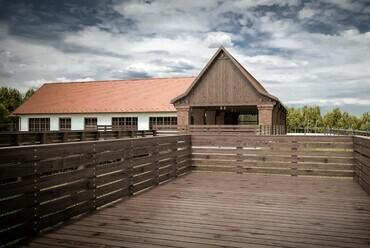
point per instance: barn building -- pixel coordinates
(224, 93)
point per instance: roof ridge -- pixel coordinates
(117, 80)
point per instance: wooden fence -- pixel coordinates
(225, 129)
(106, 128)
(43, 185)
(330, 156)
(328, 131)
(361, 147)
(48, 137)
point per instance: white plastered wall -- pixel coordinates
(78, 120)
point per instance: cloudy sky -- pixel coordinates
(304, 52)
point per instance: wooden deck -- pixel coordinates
(227, 210)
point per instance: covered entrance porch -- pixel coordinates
(224, 115)
(226, 94)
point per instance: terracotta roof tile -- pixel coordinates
(137, 95)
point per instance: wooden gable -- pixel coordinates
(224, 82)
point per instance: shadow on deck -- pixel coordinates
(227, 210)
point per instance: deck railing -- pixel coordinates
(48, 137)
(105, 128)
(361, 150)
(328, 131)
(43, 185)
(287, 155)
(227, 129)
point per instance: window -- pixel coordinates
(91, 123)
(38, 124)
(65, 124)
(124, 123)
(162, 122)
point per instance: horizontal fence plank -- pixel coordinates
(264, 150)
(273, 158)
(291, 155)
(307, 166)
(50, 137)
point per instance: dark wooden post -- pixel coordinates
(177, 158)
(93, 185)
(239, 160)
(43, 138)
(131, 169)
(157, 161)
(294, 158)
(18, 139)
(36, 225)
(64, 137)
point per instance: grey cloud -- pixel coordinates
(137, 74)
(322, 55)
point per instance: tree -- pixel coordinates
(365, 122)
(312, 116)
(331, 118)
(28, 94)
(10, 100)
(294, 118)
(4, 118)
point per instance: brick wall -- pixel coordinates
(265, 114)
(183, 116)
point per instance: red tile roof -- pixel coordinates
(137, 95)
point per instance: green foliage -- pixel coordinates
(365, 122)
(294, 118)
(4, 115)
(28, 94)
(311, 117)
(10, 100)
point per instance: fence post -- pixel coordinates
(239, 154)
(94, 178)
(294, 158)
(36, 224)
(177, 158)
(43, 138)
(157, 162)
(131, 175)
(18, 139)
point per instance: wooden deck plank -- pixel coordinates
(227, 210)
